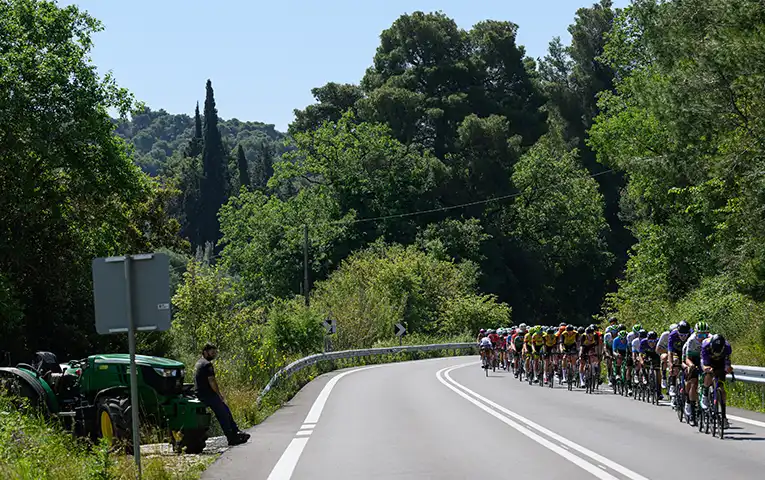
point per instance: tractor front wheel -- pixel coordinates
(113, 423)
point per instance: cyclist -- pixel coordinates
(536, 342)
(715, 360)
(621, 353)
(692, 365)
(568, 347)
(501, 347)
(486, 348)
(634, 333)
(588, 350)
(599, 349)
(650, 359)
(635, 349)
(517, 344)
(481, 334)
(661, 349)
(608, 340)
(550, 346)
(677, 339)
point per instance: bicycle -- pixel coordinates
(718, 416)
(681, 397)
(485, 360)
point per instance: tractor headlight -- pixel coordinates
(166, 372)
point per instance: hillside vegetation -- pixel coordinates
(459, 183)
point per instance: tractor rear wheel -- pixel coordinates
(113, 423)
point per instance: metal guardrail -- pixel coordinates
(304, 362)
(748, 374)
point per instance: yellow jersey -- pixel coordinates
(537, 340)
(550, 340)
(569, 338)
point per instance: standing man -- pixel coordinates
(209, 393)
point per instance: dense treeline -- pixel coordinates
(459, 183)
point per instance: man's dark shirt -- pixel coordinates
(203, 370)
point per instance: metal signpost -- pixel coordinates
(132, 293)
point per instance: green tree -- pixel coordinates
(214, 184)
(263, 239)
(68, 189)
(244, 173)
(572, 77)
(366, 171)
(685, 124)
(334, 99)
(196, 144)
(558, 222)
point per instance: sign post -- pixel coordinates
(132, 293)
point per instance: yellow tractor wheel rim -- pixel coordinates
(107, 430)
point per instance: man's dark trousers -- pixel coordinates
(223, 414)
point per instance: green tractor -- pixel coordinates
(92, 397)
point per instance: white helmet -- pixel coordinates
(523, 327)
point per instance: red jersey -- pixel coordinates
(494, 339)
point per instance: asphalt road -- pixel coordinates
(444, 419)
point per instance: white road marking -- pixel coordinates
(598, 458)
(746, 420)
(286, 464)
(537, 438)
(308, 425)
(289, 459)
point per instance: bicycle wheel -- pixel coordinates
(681, 406)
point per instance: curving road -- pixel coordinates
(444, 419)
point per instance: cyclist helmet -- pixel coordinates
(637, 327)
(622, 334)
(562, 324)
(593, 326)
(717, 344)
(490, 331)
(569, 328)
(612, 320)
(652, 335)
(580, 330)
(702, 327)
(552, 331)
(643, 333)
(589, 330)
(621, 327)
(683, 328)
(523, 327)
(483, 330)
(672, 327)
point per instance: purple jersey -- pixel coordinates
(708, 358)
(648, 346)
(676, 342)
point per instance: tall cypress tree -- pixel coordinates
(214, 164)
(265, 165)
(196, 143)
(244, 173)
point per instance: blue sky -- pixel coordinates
(264, 57)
